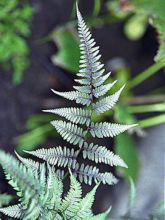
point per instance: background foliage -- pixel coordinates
(14, 28)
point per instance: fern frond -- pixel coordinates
(88, 173)
(75, 115)
(19, 177)
(101, 216)
(33, 165)
(72, 95)
(103, 89)
(107, 103)
(98, 81)
(86, 204)
(91, 68)
(54, 190)
(80, 98)
(105, 129)
(60, 173)
(70, 204)
(14, 211)
(59, 156)
(46, 201)
(84, 99)
(83, 89)
(70, 132)
(101, 154)
(83, 81)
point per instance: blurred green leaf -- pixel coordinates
(125, 148)
(124, 144)
(14, 27)
(159, 24)
(5, 199)
(155, 12)
(68, 49)
(39, 119)
(158, 107)
(135, 27)
(152, 121)
(97, 7)
(123, 116)
(114, 8)
(32, 139)
(39, 129)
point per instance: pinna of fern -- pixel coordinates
(40, 193)
(91, 93)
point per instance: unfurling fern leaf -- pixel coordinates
(90, 93)
(40, 193)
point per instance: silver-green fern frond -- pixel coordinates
(100, 154)
(75, 115)
(105, 129)
(14, 211)
(41, 193)
(88, 174)
(90, 93)
(107, 103)
(59, 156)
(70, 132)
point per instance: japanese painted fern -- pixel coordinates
(90, 93)
(39, 185)
(40, 193)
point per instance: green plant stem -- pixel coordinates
(160, 107)
(143, 99)
(145, 123)
(97, 7)
(146, 74)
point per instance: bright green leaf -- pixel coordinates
(68, 49)
(126, 149)
(135, 27)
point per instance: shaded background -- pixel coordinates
(18, 103)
